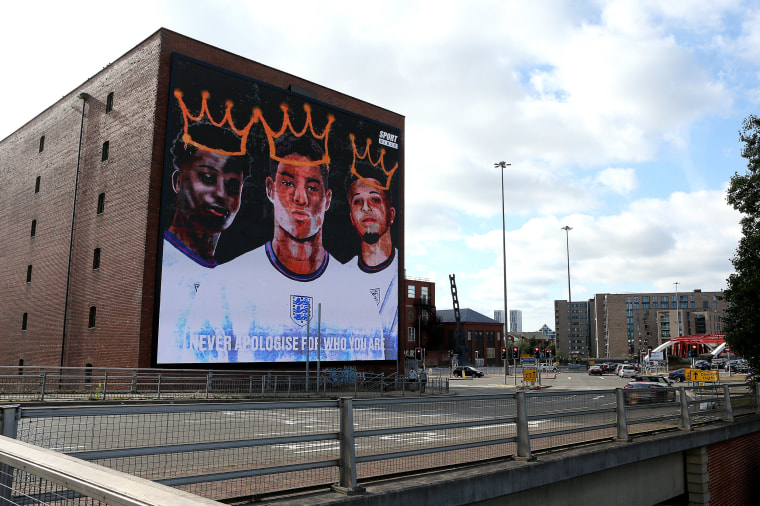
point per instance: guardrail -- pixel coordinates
(25, 384)
(255, 449)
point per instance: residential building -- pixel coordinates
(515, 320)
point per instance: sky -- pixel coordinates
(620, 119)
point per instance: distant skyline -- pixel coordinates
(620, 120)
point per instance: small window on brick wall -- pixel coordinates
(37, 185)
(101, 203)
(34, 228)
(104, 155)
(24, 321)
(42, 143)
(29, 274)
(109, 103)
(96, 259)
(91, 322)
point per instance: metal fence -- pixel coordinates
(255, 449)
(25, 384)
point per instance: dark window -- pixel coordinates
(91, 323)
(34, 228)
(24, 320)
(37, 185)
(96, 259)
(88, 374)
(109, 102)
(20, 366)
(104, 155)
(29, 274)
(101, 203)
(42, 143)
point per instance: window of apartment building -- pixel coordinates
(410, 315)
(664, 302)
(101, 203)
(109, 103)
(24, 321)
(411, 291)
(34, 228)
(42, 143)
(28, 274)
(469, 335)
(91, 321)
(104, 154)
(96, 259)
(410, 334)
(37, 184)
(424, 294)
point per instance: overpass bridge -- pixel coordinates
(694, 442)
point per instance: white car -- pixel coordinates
(627, 371)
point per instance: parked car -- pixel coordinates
(652, 388)
(595, 370)
(608, 367)
(548, 368)
(466, 370)
(742, 366)
(677, 375)
(703, 365)
(626, 371)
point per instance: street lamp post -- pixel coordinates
(502, 166)
(567, 230)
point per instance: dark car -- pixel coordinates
(703, 365)
(464, 371)
(677, 375)
(647, 391)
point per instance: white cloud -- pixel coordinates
(621, 181)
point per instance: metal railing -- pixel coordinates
(255, 449)
(26, 384)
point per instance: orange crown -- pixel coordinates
(379, 163)
(227, 118)
(288, 126)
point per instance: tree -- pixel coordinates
(742, 319)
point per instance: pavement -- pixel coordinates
(493, 382)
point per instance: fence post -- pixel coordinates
(8, 428)
(133, 387)
(250, 386)
(105, 384)
(208, 383)
(158, 388)
(523, 437)
(729, 409)
(622, 421)
(43, 378)
(685, 422)
(347, 469)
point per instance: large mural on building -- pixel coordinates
(280, 226)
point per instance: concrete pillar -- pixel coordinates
(697, 477)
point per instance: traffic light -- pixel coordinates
(418, 353)
(537, 352)
(548, 353)
(503, 353)
(451, 353)
(515, 352)
(693, 350)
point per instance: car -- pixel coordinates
(627, 371)
(608, 367)
(652, 388)
(703, 365)
(466, 370)
(548, 368)
(742, 366)
(595, 370)
(677, 375)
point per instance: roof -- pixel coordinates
(467, 315)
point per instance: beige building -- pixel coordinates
(623, 325)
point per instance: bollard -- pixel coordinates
(523, 437)
(622, 422)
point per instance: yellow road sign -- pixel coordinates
(530, 374)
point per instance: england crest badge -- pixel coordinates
(300, 309)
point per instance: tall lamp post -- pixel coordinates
(502, 166)
(567, 230)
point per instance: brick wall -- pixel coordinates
(122, 289)
(733, 467)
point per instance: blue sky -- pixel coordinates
(620, 120)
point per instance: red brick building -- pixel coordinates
(82, 185)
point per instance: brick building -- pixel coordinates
(82, 189)
(482, 335)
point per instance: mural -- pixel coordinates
(280, 223)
